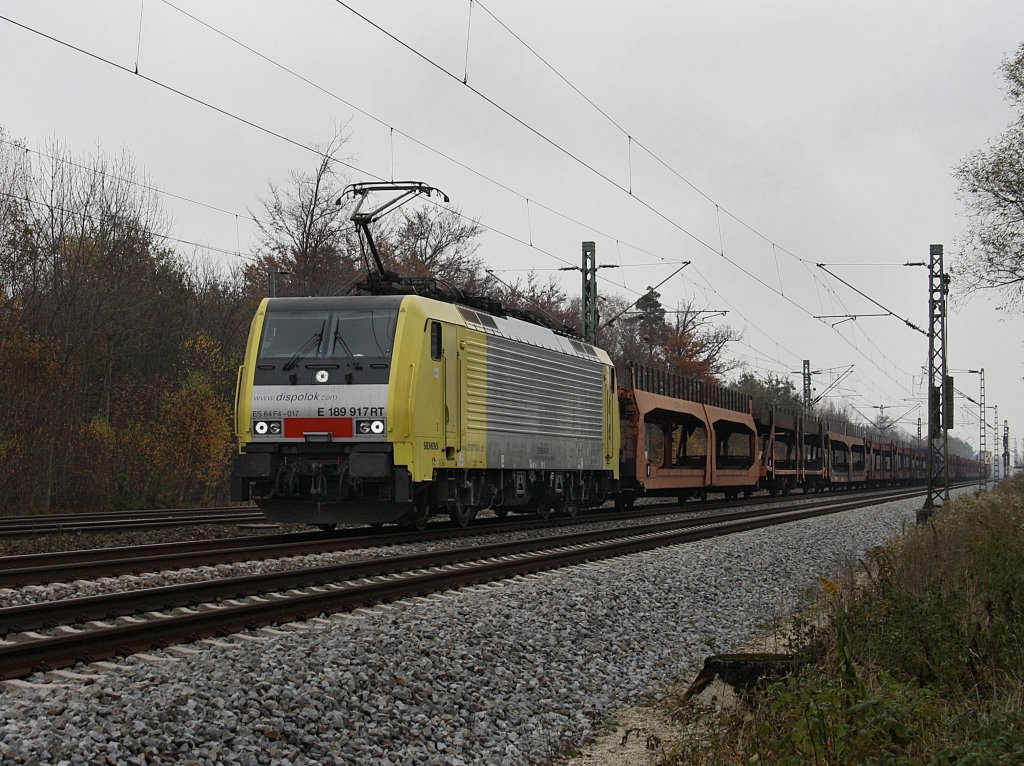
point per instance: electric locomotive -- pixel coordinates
(385, 408)
(392, 405)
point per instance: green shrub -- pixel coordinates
(997, 740)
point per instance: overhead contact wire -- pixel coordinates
(667, 166)
(627, 133)
(262, 129)
(409, 137)
(300, 145)
(130, 181)
(150, 232)
(515, 118)
(631, 139)
(521, 122)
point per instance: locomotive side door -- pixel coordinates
(452, 390)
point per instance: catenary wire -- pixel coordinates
(419, 54)
(139, 184)
(720, 210)
(383, 123)
(150, 232)
(353, 167)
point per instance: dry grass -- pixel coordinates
(920, 662)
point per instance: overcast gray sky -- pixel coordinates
(785, 134)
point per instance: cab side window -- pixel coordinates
(435, 341)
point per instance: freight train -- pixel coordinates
(407, 401)
(398, 407)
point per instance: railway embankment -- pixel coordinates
(913, 656)
(517, 671)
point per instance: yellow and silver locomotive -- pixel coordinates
(391, 408)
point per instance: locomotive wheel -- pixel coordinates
(417, 516)
(461, 514)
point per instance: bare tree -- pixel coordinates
(305, 238)
(695, 348)
(544, 299)
(435, 242)
(991, 256)
(685, 344)
(111, 344)
(771, 389)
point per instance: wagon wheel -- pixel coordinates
(572, 509)
(501, 511)
(543, 509)
(327, 527)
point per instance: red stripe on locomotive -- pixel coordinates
(296, 428)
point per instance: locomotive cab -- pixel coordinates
(312, 421)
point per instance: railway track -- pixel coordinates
(157, 617)
(23, 526)
(37, 569)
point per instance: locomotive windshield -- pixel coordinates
(348, 335)
(285, 335)
(365, 332)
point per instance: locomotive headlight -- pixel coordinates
(264, 427)
(368, 427)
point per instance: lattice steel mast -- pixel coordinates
(939, 406)
(590, 313)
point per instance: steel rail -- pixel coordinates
(27, 518)
(128, 523)
(35, 569)
(460, 568)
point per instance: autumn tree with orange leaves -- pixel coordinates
(680, 342)
(118, 351)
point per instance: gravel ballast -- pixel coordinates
(33, 594)
(516, 672)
